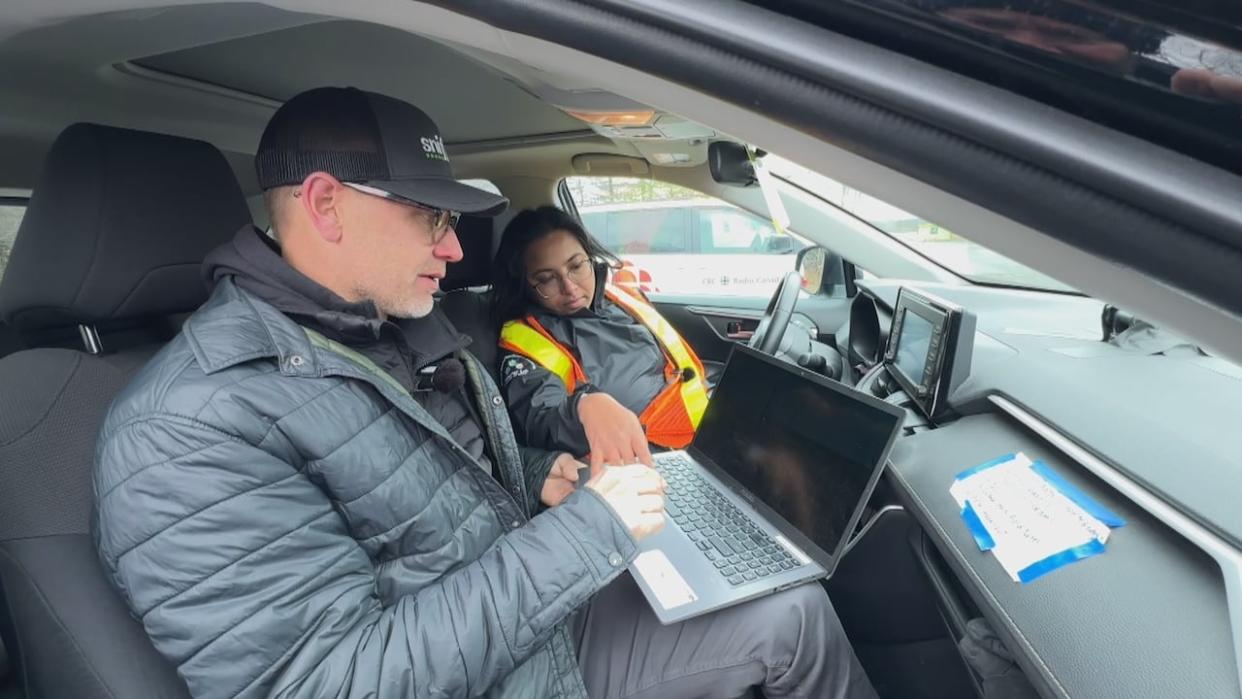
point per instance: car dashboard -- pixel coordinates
(1151, 436)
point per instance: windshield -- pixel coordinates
(963, 257)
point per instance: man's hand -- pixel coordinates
(612, 431)
(561, 480)
(636, 494)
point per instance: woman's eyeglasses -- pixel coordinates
(548, 283)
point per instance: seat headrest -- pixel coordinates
(477, 236)
(117, 228)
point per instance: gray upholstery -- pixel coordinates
(466, 303)
(478, 241)
(471, 315)
(37, 426)
(117, 227)
(10, 342)
(114, 236)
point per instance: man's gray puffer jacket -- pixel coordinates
(286, 520)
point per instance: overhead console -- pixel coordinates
(929, 349)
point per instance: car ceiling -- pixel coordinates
(218, 72)
(470, 101)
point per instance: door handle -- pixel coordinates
(734, 331)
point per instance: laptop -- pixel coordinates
(767, 495)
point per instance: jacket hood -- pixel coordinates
(254, 262)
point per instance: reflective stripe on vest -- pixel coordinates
(529, 339)
(679, 354)
(674, 414)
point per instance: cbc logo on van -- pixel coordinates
(745, 275)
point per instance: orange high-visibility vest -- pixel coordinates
(674, 414)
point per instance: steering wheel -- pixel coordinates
(771, 329)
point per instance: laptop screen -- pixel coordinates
(800, 443)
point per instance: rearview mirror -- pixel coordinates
(730, 164)
(812, 263)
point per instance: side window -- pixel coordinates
(11, 212)
(597, 223)
(647, 230)
(729, 231)
(685, 241)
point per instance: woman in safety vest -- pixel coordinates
(587, 365)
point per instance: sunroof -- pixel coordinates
(461, 94)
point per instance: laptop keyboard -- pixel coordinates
(740, 551)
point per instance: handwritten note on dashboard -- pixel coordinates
(1032, 520)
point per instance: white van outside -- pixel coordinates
(697, 246)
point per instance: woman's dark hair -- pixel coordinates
(510, 290)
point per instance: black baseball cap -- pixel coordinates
(369, 139)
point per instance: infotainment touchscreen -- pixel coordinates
(916, 334)
(929, 348)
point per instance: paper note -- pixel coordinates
(671, 590)
(1029, 525)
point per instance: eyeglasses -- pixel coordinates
(549, 283)
(441, 219)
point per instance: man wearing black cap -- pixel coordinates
(314, 491)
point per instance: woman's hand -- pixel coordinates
(561, 479)
(614, 433)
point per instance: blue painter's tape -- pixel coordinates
(984, 466)
(1059, 560)
(977, 530)
(1089, 505)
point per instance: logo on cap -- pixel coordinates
(434, 148)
